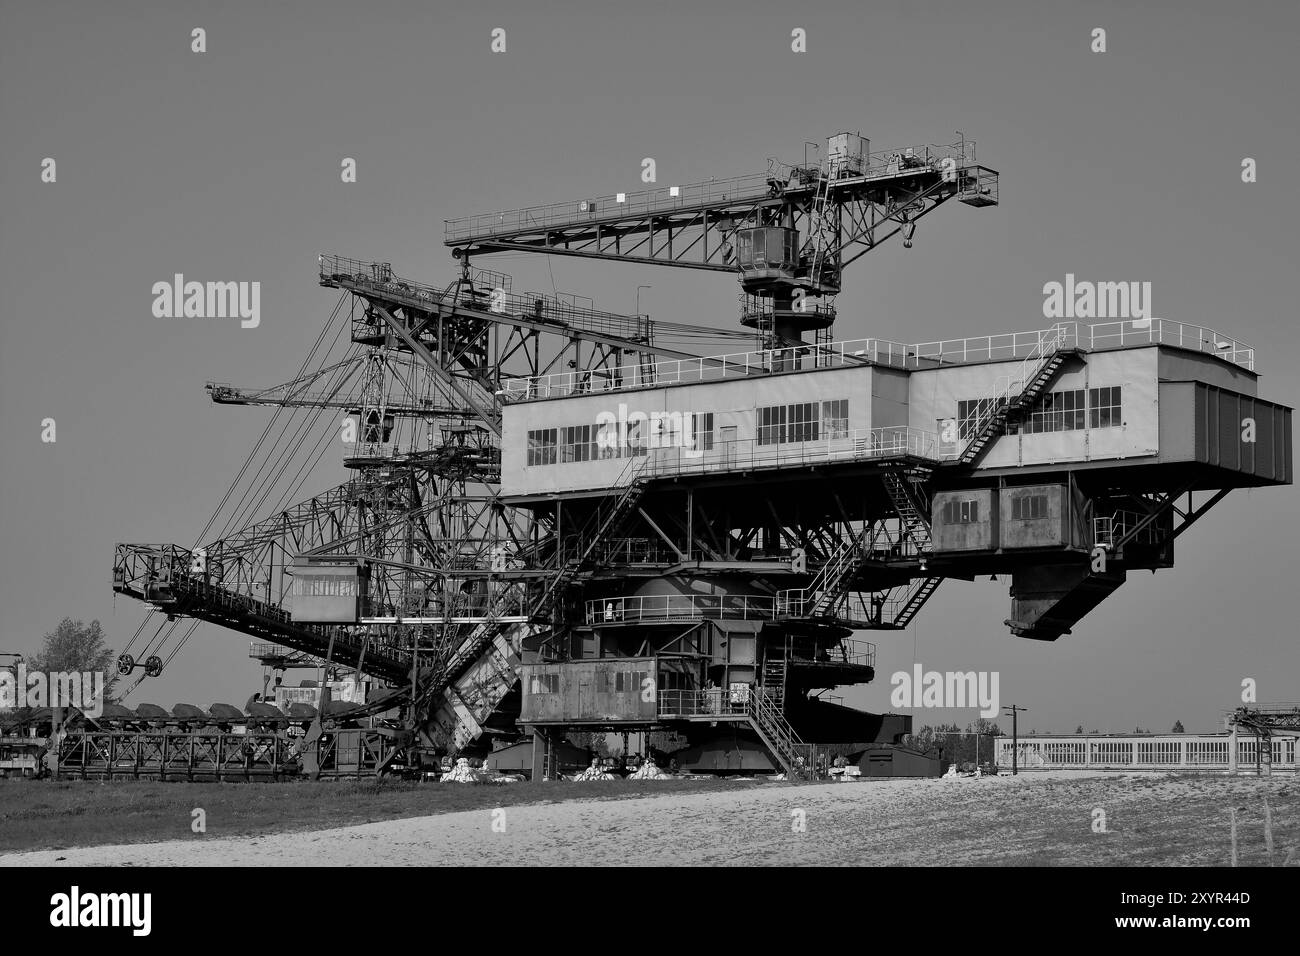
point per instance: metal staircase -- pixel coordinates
(828, 588)
(1013, 394)
(635, 478)
(768, 721)
(775, 672)
(920, 593)
(908, 500)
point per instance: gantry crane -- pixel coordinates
(788, 234)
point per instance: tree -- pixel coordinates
(77, 647)
(595, 741)
(1079, 729)
(1178, 728)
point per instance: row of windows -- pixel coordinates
(1024, 508)
(804, 421)
(334, 585)
(1055, 412)
(961, 512)
(607, 682)
(549, 446)
(1029, 507)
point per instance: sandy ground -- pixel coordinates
(1036, 819)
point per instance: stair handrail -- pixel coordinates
(832, 569)
(629, 478)
(1049, 342)
(771, 722)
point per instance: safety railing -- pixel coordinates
(565, 309)
(703, 702)
(631, 551)
(1197, 338)
(878, 164)
(652, 608)
(612, 206)
(820, 595)
(873, 351)
(1008, 387)
(502, 603)
(261, 649)
(1108, 530)
(894, 441)
(852, 652)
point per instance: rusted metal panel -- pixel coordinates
(619, 690)
(1034, 516)
(965, 520)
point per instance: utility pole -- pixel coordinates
(1013, 710)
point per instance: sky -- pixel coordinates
(225, 166)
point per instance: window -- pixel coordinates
(771, 425)
(333, 585)
(607, 441)
(1105, 406)
(1056, 412)
(961, 512)
(973, 415)
(1029, 507)
(576, 443)
(545, 684)
(702, 431)
(638, 433)
(835, 418)
(806, 421)
(541, 446)
(803, 422)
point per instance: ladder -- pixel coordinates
(818, 223)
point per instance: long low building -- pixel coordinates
(1201, 753)
(1150, 392)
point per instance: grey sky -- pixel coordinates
(225, 166)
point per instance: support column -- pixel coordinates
(541, 748)
(1232, 749)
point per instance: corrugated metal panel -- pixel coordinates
(1225, 439)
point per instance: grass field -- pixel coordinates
(1036, 819)
(44, 814)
